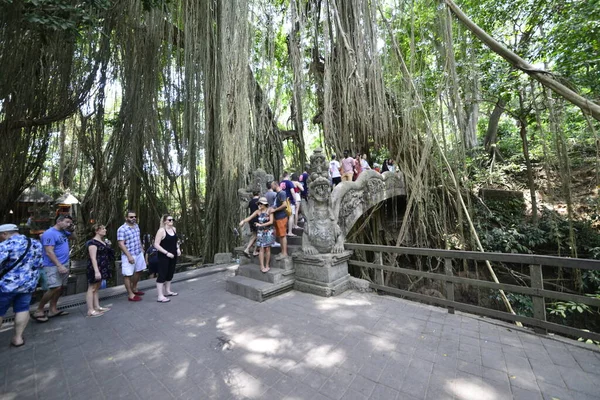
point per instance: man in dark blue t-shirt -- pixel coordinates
(281, 218)
(288, 186)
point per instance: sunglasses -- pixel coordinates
(134, 217)
(170, 219)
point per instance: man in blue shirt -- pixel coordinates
(56, 266)
(20, 262)
(281, 218)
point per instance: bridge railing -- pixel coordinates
(536, 290)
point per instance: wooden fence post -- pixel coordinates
(449, 285)
(379, 274)
(539, 304)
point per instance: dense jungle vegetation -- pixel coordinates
(165, 105)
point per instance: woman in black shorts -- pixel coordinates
(166, 243)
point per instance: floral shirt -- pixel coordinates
(23, 277)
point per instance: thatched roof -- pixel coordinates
(66, 198)
(32, 195)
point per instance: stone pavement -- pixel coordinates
(209, 344)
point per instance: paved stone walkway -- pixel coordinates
(209, 344)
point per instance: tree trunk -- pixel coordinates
(530, 180)
(491, 134)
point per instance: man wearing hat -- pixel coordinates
(20, 262)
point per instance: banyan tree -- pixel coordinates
(167, 106)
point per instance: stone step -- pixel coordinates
(298, 231)
(275, 275)
(294, 240)
(238, 252)
(257, 290)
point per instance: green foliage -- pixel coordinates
(522, 304)
(565, 308)
(60, 15)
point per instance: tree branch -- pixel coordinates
(544, 77)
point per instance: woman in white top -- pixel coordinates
(364, 164)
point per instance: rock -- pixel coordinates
(223, 258)
(360, 285)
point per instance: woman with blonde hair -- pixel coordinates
(99, 268)
(165, 242)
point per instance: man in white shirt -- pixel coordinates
(334, 171)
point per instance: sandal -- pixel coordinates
(58, 314)
(17, 345)
(102, 309)
(39, 318)
(95, 314)
(247, 253)
(165, 300)
(172, 294)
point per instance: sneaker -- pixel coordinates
(276, 245)
(135, 298)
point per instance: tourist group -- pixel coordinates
(25, 261)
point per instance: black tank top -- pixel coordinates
(169, 243)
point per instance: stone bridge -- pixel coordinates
(350, 200)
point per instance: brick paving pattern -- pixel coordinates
(209, 344)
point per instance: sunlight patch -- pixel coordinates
(324, 356)
(263, 345)
(466, 390)
(332, 304)
(182, 370)
(224, 322)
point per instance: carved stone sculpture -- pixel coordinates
(321, 232)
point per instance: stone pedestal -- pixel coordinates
(322, 274)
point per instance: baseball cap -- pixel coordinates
(8, 228)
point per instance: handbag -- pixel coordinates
(288, 207)
(6, 271)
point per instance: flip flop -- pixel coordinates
(103, 309)
(40, 318)
(266, 270)
(164, 301)
(17, 345)
(58, 314)
(172, 294)
(95, 314)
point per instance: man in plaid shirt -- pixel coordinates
(132, 255)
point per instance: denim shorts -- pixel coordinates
(20, 302)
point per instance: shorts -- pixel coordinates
(54, 278)
(20, 302)
(336, 180)
(294, 209)
(281, 227)
(129, 269)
